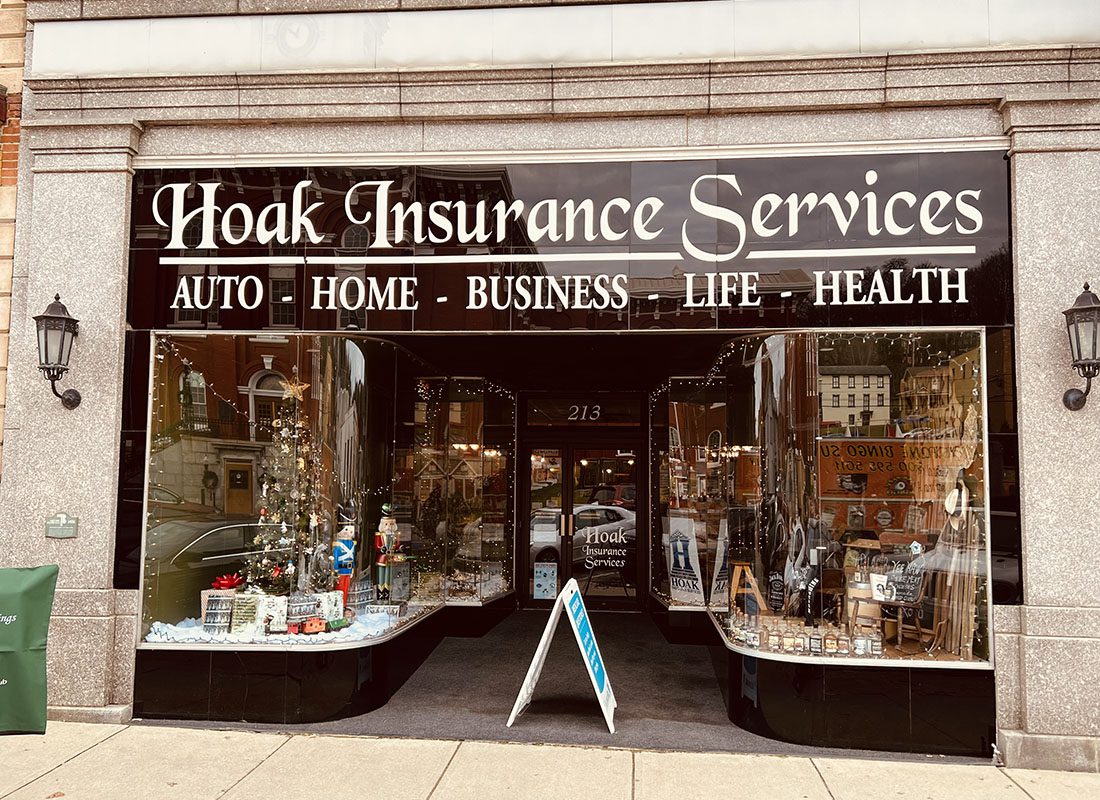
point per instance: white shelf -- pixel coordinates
(847, 661)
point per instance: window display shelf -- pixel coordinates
(292, 642)
(669, 607)
(475, 602)
(845, 661)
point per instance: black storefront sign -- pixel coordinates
(815, 241)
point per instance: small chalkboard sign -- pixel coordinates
(904, 586)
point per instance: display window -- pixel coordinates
(814, 534)
(310, 490)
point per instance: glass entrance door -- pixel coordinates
(582, 522)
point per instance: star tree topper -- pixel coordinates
(293, 388)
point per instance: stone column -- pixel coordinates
(72, 239)
(1048, 650)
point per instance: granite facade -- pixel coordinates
(1055, 249)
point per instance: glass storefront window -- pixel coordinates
(693, 501)
(306, 490)
(856, 536)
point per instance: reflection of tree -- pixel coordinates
(430, 513)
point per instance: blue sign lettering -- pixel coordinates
(588, 640)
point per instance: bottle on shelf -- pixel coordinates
(829, 642)
(816, 646)
(876, 644)
(790, 640)
(803, 637)
(762, 637)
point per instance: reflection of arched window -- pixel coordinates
(714, 441)
(355, 238)
(265, 393)
(673, 438)
(192, 234)
(193, 400)
(354, 314)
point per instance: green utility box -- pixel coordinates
(26, 597)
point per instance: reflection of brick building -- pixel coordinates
(847, 391)
(216, 397)
(937, 397)
(696, 439)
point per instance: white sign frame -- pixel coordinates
(571, 600)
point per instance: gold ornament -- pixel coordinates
(293, 388)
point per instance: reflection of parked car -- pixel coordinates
(590, 522)
(606, 494)
(183, 558)
(166, 504)
(481, 541)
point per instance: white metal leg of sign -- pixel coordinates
(571, 600)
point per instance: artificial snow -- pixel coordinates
(365, 627)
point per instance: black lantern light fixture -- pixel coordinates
(1083, 325)
(56, 331)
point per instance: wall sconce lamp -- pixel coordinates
(56, 331)
(1083, 326)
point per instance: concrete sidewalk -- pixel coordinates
(79, 761)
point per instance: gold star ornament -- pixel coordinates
(293, 388)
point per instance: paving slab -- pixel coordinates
(858, 779)
(659, 776)
(490, 771)
(157, 764)
(1047, 785)
(24, 758)
(394, 769)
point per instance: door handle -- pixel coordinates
(569, 528)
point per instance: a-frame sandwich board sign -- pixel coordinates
(572, 602)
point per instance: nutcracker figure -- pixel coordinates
(386, 543)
